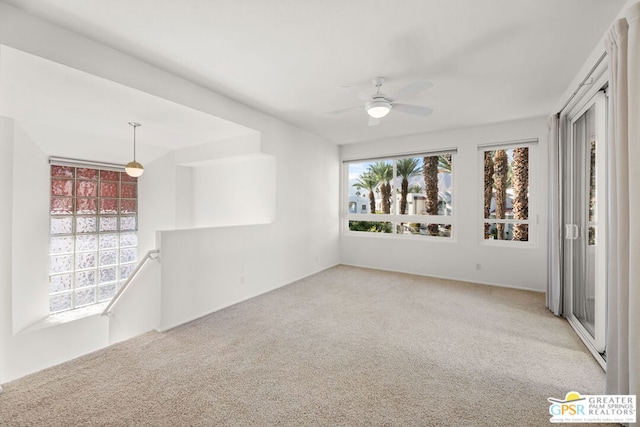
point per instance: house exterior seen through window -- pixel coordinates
(93, 234)
(406, 196)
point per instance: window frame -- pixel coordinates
(394, 217)
(532, 221)
(74, 215)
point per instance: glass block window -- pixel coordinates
(93, 235)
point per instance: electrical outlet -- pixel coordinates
(478, 266)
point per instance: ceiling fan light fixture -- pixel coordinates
(134, 169)
(378, 108)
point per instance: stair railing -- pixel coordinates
(153, 254)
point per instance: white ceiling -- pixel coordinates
(36, 91)
(490, 60)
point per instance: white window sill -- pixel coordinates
(508, 244)
(406, 237)
(66, 317)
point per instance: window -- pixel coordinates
(506, 209)
(408, 196)
(93, 234)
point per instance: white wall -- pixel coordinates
(300, 240)
(519, 267)
(223, 187)
(206, 269)
(30, 238)
(235, 191)
(138, 311)
(224, 266)
(6, 215)
(159, 198)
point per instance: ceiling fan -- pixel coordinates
(379, 105)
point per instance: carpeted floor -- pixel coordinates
(345, 347)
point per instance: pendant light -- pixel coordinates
(134, 169)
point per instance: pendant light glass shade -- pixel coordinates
(378, 108)
(134, 169)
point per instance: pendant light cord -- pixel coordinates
(135, 125)
(134, 142)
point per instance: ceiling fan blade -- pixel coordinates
(355, 92)
(413, 109)
(412, 89)
(346, 110)
(373, 121)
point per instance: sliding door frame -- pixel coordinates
(596, 94)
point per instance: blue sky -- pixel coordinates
(357, 169)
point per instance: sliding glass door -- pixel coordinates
(584, 186)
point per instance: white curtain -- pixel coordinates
(554, 241)
(623, 322)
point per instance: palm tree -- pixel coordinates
(501, 170)
(592, 192)
(383, 172)
(407, 169)
(368, 182)
(430, 174)
(520, 181)
(416, 188)
(488, 190)
(444, 167)
(444, 163)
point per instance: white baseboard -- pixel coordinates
(476, 282)
(198, 316)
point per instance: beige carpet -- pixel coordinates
(345, 347)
